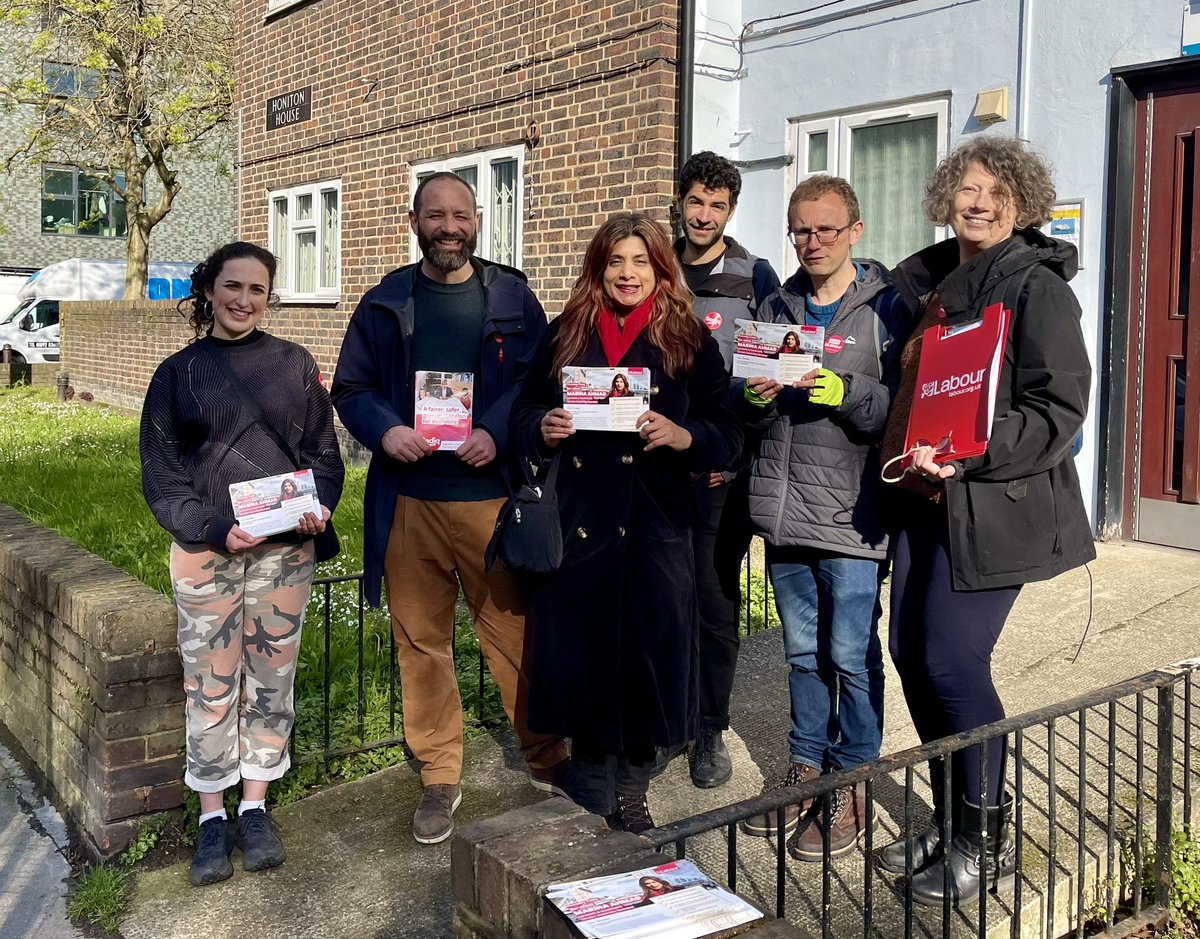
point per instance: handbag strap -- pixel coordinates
(249, 403)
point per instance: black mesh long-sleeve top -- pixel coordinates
(197, 437)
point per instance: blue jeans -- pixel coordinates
(829, 607)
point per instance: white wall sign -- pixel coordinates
(1190, 43)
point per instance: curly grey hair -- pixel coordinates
(1022, 174)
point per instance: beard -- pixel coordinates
(446, 261)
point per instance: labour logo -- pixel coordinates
(713, 320)
(833, 345)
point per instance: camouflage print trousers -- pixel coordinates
(239, 634)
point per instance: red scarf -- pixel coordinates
(615, 339)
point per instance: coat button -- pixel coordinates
(581, 532)
(620, 531)
(576, 462)
(654, 389)
(626, 458)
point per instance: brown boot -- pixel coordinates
(764, 825)
(844, 812)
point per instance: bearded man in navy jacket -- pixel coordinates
(429, 513)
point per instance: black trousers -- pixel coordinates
(720, 540)
(941, 641)
(599, 776)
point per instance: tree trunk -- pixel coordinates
(137, 257)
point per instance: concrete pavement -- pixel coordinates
(354, 871)
(33, 868)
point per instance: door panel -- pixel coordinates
(1168, 454)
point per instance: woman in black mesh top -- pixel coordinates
(236, 404)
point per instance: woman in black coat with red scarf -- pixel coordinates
(614, 630)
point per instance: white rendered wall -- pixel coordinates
(930, 48)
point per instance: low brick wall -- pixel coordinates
(500, 868)
(38, 376)
(90, 682)
(112, 348)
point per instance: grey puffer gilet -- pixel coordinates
(815, 479)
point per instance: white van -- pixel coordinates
(31, 330)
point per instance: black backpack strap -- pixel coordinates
(249, 403)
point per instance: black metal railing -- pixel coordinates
(348, 655)
(1081, 783)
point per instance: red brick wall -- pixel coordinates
(399, 84)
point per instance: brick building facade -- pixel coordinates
(344, 102)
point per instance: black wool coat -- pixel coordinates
(613, 633)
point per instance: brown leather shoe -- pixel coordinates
(845, 813)
(764, 825)
(433, 820)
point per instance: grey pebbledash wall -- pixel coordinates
(90, 682)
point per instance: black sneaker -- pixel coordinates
(259, 840)
(634, 812)
(709, 760)
(214, 844)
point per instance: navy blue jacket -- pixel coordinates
(373, 384)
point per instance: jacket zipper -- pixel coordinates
(787, 448)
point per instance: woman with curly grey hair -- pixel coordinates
(971, 531)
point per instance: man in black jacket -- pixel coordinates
(729, 283)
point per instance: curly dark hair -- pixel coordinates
(711, 172)
(1023, 175)
(204, 278)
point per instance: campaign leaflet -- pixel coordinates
(606, 398)
(672, 901)
(274, 504)
(782, 351)
(442, 408)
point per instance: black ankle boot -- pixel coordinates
(926, 849)
(967, 851)
(927, 842)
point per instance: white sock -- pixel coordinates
(219, 813)
(244, 806)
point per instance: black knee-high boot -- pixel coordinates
(971, 843)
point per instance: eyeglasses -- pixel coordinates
(825, 236)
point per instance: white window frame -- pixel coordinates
(286, 276)
(482, 163)
(839, 128)
(274, 6)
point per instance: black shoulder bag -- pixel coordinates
(528, 535)
(325, 544)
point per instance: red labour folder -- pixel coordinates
(957, 377)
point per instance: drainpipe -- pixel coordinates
(687, 69)
(1024, 34)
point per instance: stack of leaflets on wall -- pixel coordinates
(606, 398)
(442, 408)
(671, 901)
(785, 352)
(274, 504)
